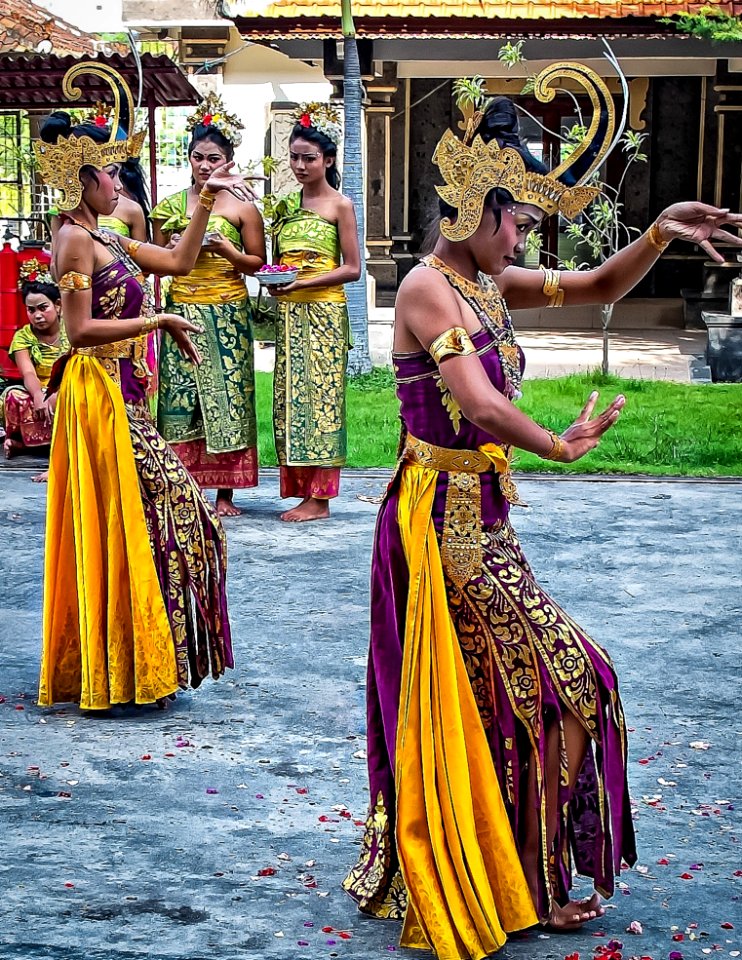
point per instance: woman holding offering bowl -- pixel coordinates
(314, 232)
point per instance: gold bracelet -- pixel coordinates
(655, 238)
(557, 447)
(551, 288)
(207, 200)
(150, 323)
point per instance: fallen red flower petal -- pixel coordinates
(267, 872)
(686, 876)
(727, 926)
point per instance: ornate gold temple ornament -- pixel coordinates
(471, 168)
(60, 163)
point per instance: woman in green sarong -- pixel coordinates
(315, 231)
(207, 412)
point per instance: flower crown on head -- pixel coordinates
(31, 271)
(321, 116)
(211, 112)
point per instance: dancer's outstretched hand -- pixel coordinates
(700, 223)
(223, 179)
(179, 328)
(585, 433)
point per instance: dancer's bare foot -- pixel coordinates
(225, 505)
(11, 447)
(309, 509)
(575, 914)
(42, 477)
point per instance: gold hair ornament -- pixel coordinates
(471, 167)
(212, 114)
(60, 163)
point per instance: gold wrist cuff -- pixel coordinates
(557, 448)
(655, 238)
(551, 287)
(150, 323)
(207, 200)
(133, 246)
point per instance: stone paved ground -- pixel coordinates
(142, 834)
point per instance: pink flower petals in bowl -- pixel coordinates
(276, 275)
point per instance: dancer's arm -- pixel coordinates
(180, 259)
(696, 223)
(22, 360)
(427, 307)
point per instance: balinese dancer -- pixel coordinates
(208, 412)
(135, 600)
(496, 736)
(27, 411)
(314, 230)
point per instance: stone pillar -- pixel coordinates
(379, 111)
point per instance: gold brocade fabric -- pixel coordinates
(114, 644)
(457, 853)
(134, 350)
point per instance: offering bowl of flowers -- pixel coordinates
(276, 274)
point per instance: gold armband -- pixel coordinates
(207, 200)
(455, 342)
(150, 323)
(655, 238)
(133, 246)
(75, 281)
(551, 288)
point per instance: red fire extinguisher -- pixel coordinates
(9, 298)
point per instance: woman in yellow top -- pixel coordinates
(315, 230)
(27, 411)
(207, 412)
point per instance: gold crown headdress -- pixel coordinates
(32, 271)
(321, 116)
(471, 167)
(211, 112)
(60, 163)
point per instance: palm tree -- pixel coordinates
(359, 360)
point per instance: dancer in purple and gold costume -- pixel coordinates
(135, 569)
(496, 737)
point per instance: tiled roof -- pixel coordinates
(24, 25)
(474, 9)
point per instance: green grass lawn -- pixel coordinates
(666, 428)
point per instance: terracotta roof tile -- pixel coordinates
(24, 25)
(497, 9)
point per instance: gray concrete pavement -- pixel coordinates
(217, 829)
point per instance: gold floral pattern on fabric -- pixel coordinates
(523, 627)
(112, 300)
(461, 549)
(454, 342)
(370, 882)
(450, 403)
(214, 400)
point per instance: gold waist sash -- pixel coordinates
(134, 350)
(461, 544)
(212, 280)
(311, 264)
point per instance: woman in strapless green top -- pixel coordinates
(207, 412)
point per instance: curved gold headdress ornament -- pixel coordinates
(60, 163)
(471, 167)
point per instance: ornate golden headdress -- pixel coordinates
(60, 163)
(32, 271)
(471, 167)
(323, 117)
(211, 112)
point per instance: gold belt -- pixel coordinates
(133, 349)
(461, 543)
